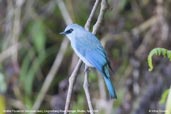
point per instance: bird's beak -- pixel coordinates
(63, 33)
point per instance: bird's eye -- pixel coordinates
(69, 31)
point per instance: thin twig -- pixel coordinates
(64, 11)
(17, 25)
(144, 26)
(8, 24)
(86, 89)
(162, 20)
(72, 79)
(103, 8)
(87, 25)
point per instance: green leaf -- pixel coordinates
(37, 31)
(157, 51)
(30, 66)
(2, 104)
(168, 103)
(25, 65)
(34, 68)
(164, 96)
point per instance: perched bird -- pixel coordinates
(89, 49)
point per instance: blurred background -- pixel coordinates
(30, 43)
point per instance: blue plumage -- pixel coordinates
(91, 52)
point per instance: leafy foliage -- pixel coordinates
(2, 104)
(37, 31)
(164, 96)
(165, 53)
(168, 103)
(158, 51)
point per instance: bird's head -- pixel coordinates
(72, 30)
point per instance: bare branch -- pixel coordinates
(86, 89)
(103, 8)
(71, 84)
(64, 12)
(144, 26)
(87, 25)
(16, 25)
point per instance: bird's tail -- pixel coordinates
(110, 87)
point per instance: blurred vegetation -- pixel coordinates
(158, 51)
(30, 41)
(165, 53)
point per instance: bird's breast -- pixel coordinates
(80, 47)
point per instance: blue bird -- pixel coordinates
(89, 49)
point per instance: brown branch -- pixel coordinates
(103, 8)
(87, 25)
(16, 26)
(86, 89)
(71, 85)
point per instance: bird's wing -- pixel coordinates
(90, 47)
(96, 57)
